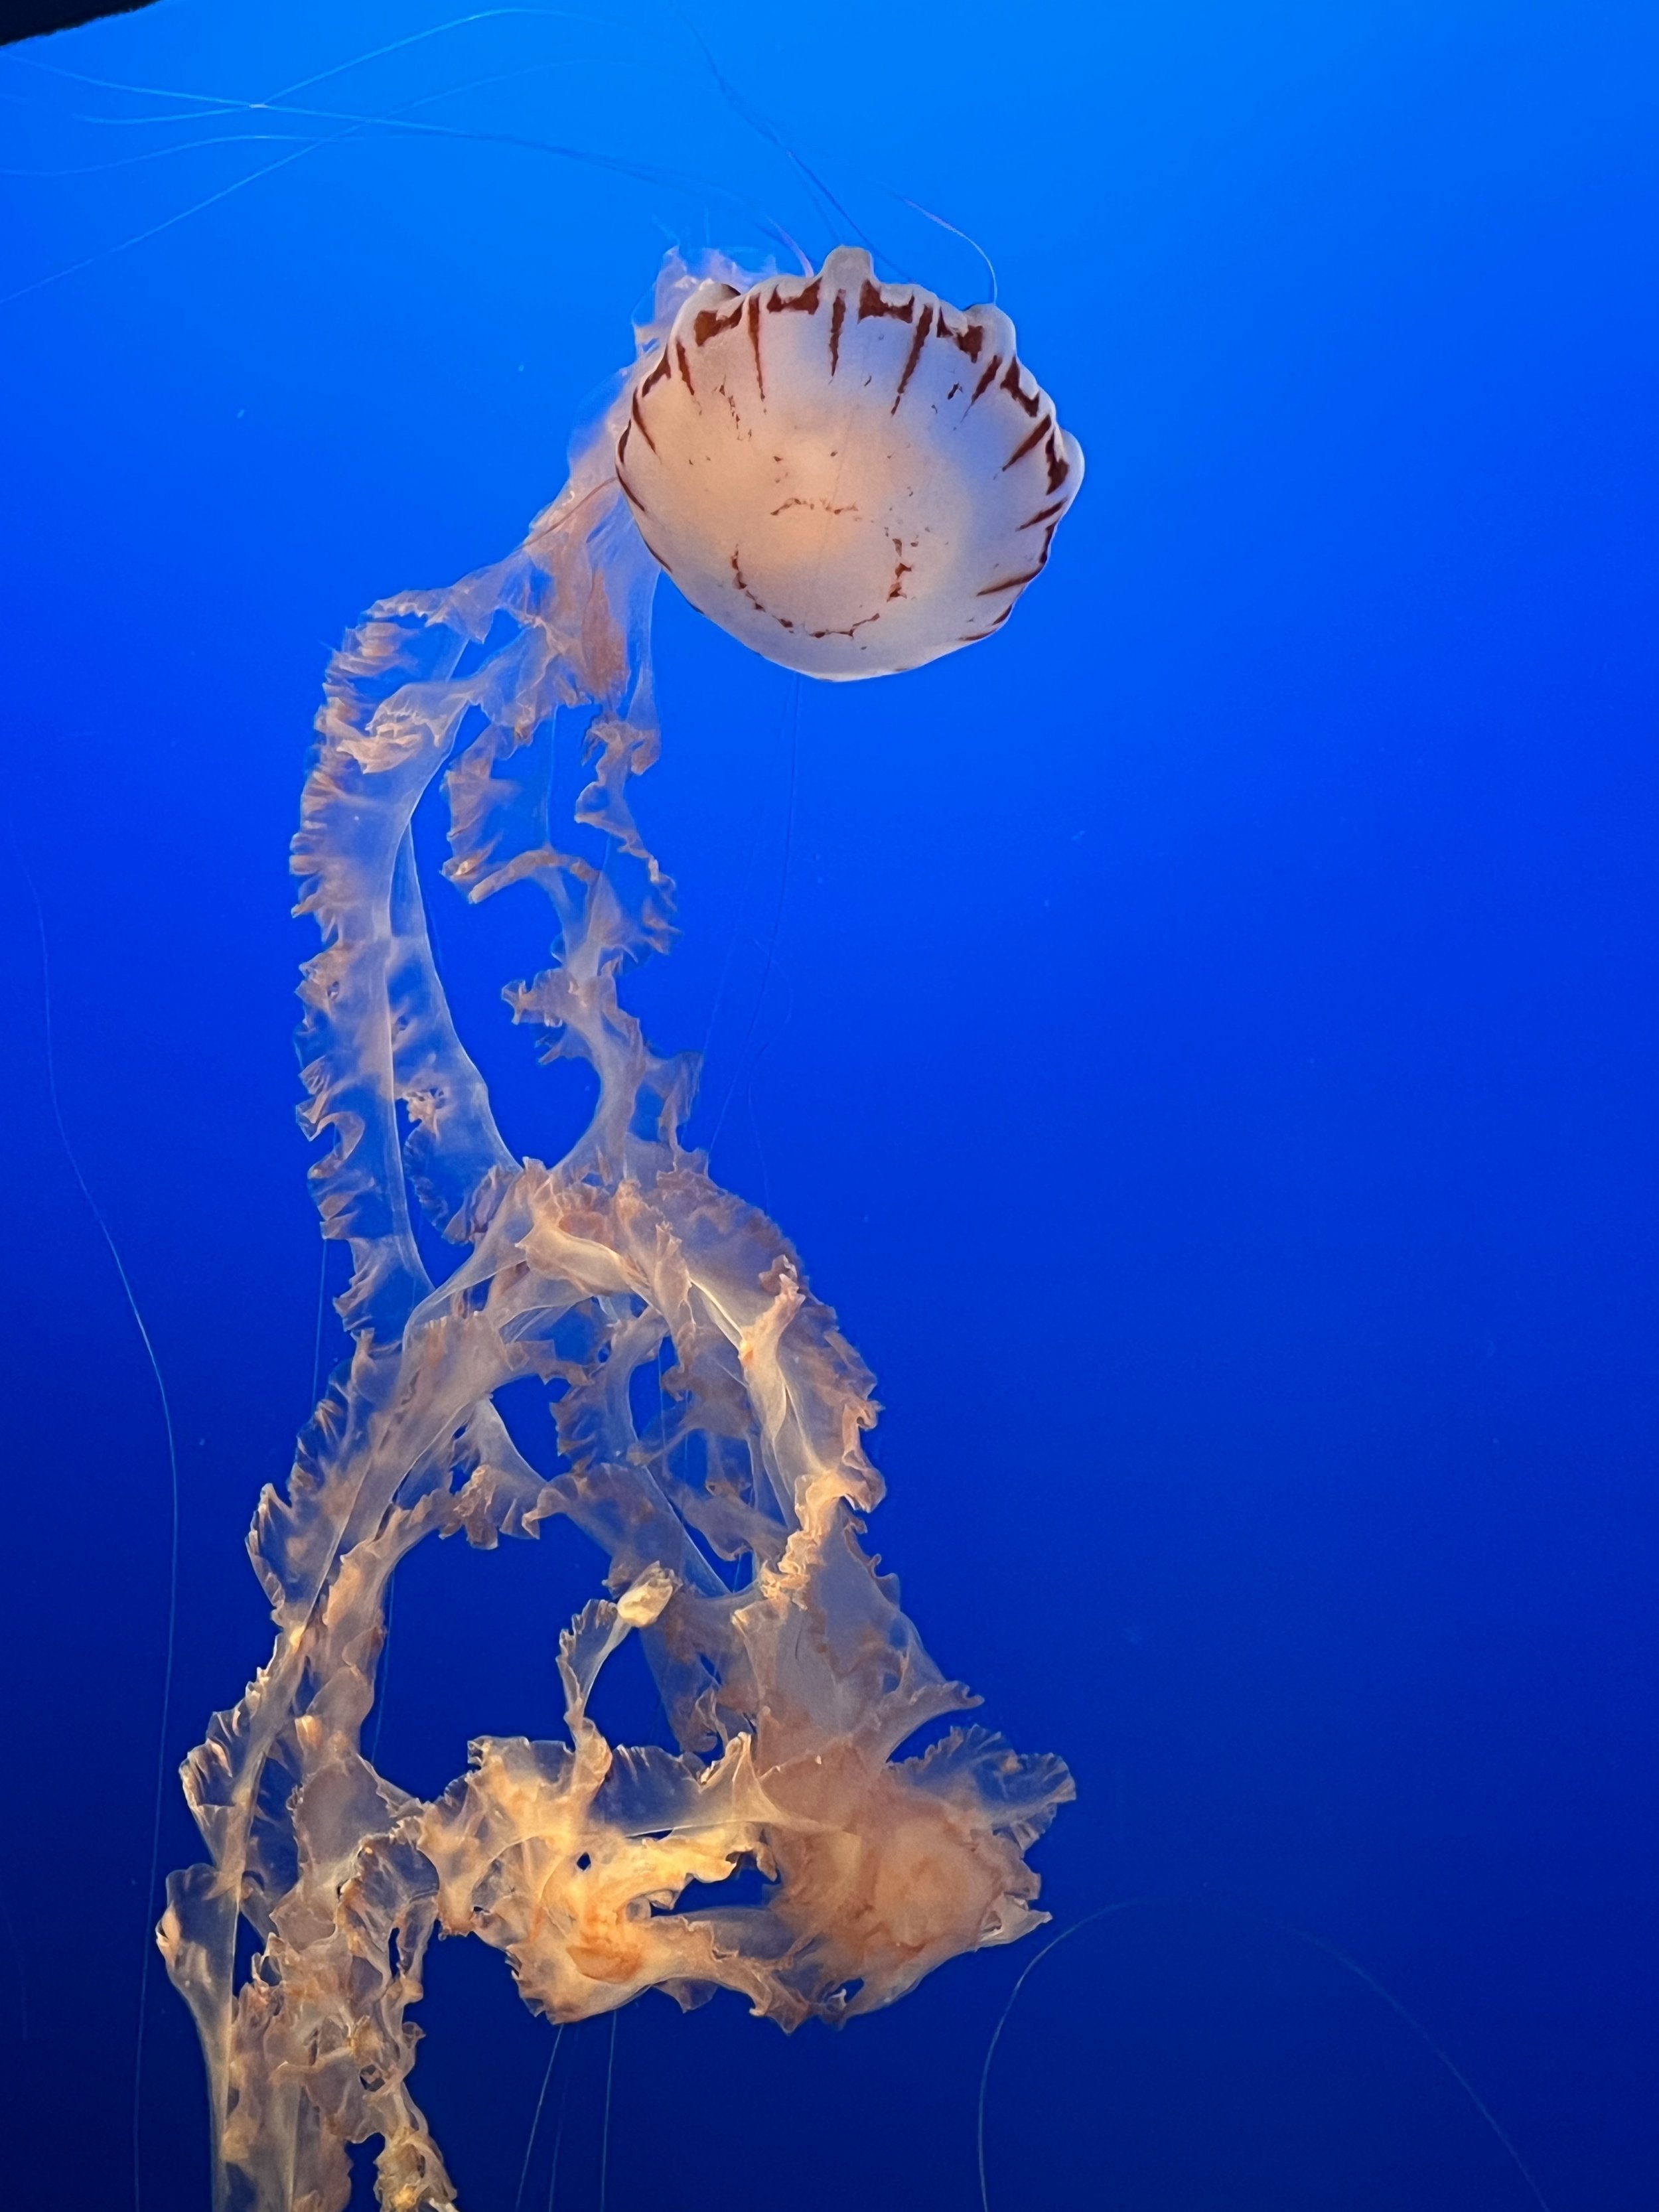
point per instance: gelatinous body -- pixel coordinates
(851, 477)
(730, 1519)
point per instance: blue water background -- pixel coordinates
(1203, 1042)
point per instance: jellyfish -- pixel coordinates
(853, 478)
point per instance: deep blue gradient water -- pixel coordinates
(1203, 1042)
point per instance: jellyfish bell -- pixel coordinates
(851, 477)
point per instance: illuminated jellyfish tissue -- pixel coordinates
(853, 478)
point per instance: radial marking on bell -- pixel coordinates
(805, 303)
(985, 382)
(1036, 438)
(871, 303)
(969, 339)
(925, 322)
(753, 342)
(711, 324)
(1032, 402)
